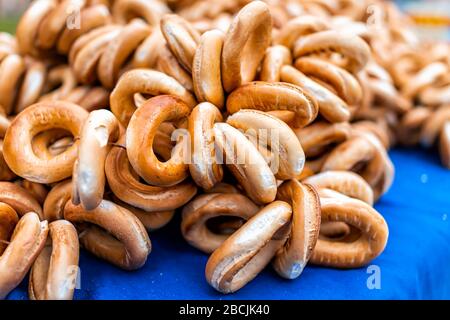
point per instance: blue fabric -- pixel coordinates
(415, 264)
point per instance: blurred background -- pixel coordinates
(432, 16)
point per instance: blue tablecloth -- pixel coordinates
(415, 264)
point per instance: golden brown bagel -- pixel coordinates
(380, 129)
(343, 83)
(435, 96)
(59, 83)
(425, 77)
(32, 84)
(364, 154)
(140, 136)
(275, 58)
(4, 124)
(266, 96)
(168, 64)
(27, 241)
(206, 69)
(410, 126)
(151, 220)
(345, 182)
(100, 130)
(147, 82)
(90, 98)
(12, 69)
(351, 47)
(147, 54)
(298, 27)
(207, 207)
(246, 252)
(116, 53)
(331, 106)
(292, 258)
(245, 44)
(50, 26)
(37, 190)
(20, 199)
(28, 27)
(17, 147)
(319, 137)
(433, 126)
(53, 24)
(181, 38)
(360, 247)
(92, 17)
(87, 51)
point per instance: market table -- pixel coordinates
(415, 264)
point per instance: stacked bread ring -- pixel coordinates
(266, 124)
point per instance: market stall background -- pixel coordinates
(413, 266)
(432, 16)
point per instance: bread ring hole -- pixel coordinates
(85, 227)
(61, 145)
(128, 12)
(282, 232)
(141, 98)
(131, 14)
(317, 151)
(224, 225)
(229, 178)
(56, 80)
(359, 167)
(134, 175)
(323, 144)
(163, 144)
(127, 65)
(108, 195)
(323, 147)
(6, 231)
(52, 86)
(140, 179)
